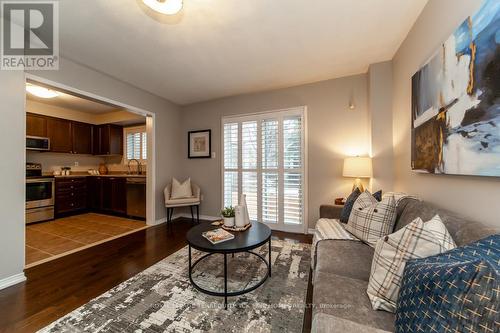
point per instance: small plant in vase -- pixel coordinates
(228, 216)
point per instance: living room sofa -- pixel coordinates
(342, 270)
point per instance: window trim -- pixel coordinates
(280, 113)
(134, 129)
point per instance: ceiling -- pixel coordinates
(71, 102)
(217, 48)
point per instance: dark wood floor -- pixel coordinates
(56, 288)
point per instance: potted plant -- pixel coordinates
(228, 216)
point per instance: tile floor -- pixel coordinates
(53, 239)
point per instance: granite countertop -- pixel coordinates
(109, 175)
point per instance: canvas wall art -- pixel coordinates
(456, 101)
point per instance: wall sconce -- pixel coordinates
(352, 105)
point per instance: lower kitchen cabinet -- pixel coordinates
(96, 194)
(107, 194)
(70, 195)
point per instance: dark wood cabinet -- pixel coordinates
(71, 195)
(36, 125)
(82, 138)
(74, 137)
(60, 135)
(119, 195)
(107, 194)
(108, 140)
(95, 193)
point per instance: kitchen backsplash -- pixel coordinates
(54, 161)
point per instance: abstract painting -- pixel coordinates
(456, 101)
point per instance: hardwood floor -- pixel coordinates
(55, 288)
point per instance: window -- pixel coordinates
(136, 143)
(263, 157)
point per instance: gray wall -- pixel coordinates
(380, 118)
(334, 132)
(12, 141)
(474, 197)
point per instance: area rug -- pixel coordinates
(161, 298)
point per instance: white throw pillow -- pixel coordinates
(370, 219)
(183, 190)
(416, 240)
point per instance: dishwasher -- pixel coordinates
(136, 197)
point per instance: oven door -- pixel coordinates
(39, 193)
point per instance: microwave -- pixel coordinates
(37, 143)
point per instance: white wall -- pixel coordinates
(12, 167)
(473, 197)
(115, 116)
(334, 132)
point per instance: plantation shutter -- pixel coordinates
(231, 164)
(136, 143)
(263, 158)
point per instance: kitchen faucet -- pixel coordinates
(139, 166)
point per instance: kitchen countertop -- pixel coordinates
(112, 175)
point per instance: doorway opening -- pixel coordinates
(89, 170)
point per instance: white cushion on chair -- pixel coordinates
(180, 191)
(182, 202)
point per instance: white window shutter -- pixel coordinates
(263, 158)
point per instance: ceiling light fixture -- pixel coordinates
(41, 92)
(168, 7)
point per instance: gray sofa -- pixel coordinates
(342, 270)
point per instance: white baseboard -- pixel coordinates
(310, 231)
(12, 280)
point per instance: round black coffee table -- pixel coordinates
(244, 241)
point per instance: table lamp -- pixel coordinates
(357, 167)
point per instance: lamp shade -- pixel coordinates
(358, 167)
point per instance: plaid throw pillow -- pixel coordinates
(370, 219)
(416, 240)
(458, 291)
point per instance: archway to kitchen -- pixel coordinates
(90, 170)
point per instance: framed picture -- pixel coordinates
(200, 144)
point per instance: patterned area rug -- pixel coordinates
(161, 298)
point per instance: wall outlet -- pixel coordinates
(77, 164)
(213, 154)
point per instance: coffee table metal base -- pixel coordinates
(225, 294)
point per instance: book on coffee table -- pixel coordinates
(217, 236)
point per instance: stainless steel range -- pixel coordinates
(39, 194)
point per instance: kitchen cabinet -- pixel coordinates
(60, 135)
(36, 125)
(108, 140)
(75, 137)
(107, 194)
(95, 193)
(81, 138)
(118, 197)
(70, 195)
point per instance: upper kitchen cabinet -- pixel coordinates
(60, 135)
(36, 125)
(108, 140)
(82, 138)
